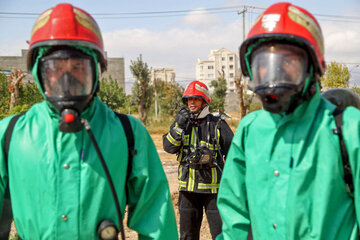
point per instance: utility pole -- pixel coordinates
(156, 116)
(239, 81)
(243, 18)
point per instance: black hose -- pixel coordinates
(108, 176)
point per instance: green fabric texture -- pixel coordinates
(284, 175)
(44, 191)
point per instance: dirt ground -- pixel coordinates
(170, 167)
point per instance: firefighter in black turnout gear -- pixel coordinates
(201, 142)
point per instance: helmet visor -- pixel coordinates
(67, 77)
(278, 64)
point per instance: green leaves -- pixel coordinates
(112, 94)
(29, 94)
(142, 91)
(218, 96)
(336, 76)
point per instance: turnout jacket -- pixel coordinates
(284, 175)
(58, 187)
(211, 132)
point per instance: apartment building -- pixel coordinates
(163, 74)
(220, 62)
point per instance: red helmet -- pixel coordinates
(66, 25)
(196, 89)
(287, 22)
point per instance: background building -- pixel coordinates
(163, 74)
(115, 67)
(220, 62)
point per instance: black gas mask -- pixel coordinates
(278, 75)
(68, 77)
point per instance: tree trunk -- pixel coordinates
(15, 79)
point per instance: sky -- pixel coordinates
(176, 34)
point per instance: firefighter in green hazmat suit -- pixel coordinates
(284, 173)
(57, 183)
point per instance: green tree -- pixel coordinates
(218, 96)
(336, 76)
(5, 94)
(142, 91)
(169, 97)
(112, 94)
(29, 94)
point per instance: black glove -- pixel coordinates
(182, 117)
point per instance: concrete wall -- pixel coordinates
(116, 68)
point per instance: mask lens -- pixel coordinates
(67, 77)
(273, 65)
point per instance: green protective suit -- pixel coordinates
(58, 187)
(284, 175)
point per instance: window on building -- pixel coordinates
(231, 83)
(231, 67)
(231, 58)
(210, 67)
(201, 67)
(223, 59)
(210, 75)
(231, 75)
(223, 67)
(231, 90)
(201, 75)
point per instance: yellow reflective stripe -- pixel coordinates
(209, 145)
(208, 186)
(182, 183)
(172, 140)
(191, 179)
(213, 175)
(176, 128)
(193, 137)
(186, 140)
(180, 155)
(180, 172)
(214, 178)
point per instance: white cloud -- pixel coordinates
(178, 47)
(200, 18)
(342, 41)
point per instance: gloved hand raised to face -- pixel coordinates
(182, 117)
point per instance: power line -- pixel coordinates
(175, 13)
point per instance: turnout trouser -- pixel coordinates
(191, 207)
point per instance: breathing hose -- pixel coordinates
(108, 176)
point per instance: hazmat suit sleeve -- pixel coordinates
(351, 135)
(3, 170)
(151, 212)
(232, 198)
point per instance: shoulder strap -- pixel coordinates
(131, 142)
(338, 115)
(8, 135)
